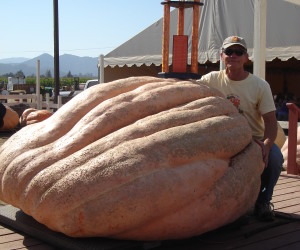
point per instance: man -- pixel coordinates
(253, 98)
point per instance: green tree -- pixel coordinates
(19, 74)
(48, 73)
(69, 75)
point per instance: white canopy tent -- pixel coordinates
(218, 20)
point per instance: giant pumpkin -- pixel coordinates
(31, 116)
(139, 158)
(9, 119)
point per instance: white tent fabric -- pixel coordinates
(218, 20)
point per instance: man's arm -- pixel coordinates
(270, 133)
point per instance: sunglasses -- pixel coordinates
(238, 52)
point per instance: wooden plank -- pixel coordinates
(4, 231)
(288, 203)
(27, 242)
(10, 237)
(293, 211)
(264, 237)
(285, 197)
(23, 97)
(288, 185)
(285, 174)
(238, 238)
(12, 240)
(284, 180)
(273, 239)
(288, 190)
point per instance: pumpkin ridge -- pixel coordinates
(206, 218)
(144, 109)
(79, 106)
(99, 126)
(52, 137)
(93, 175)
(136, 133)
(29, 178)
(158, 173)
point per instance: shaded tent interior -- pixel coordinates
(141, 55)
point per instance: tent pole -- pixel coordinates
(195, 36)
(101, 69)
(259, 58)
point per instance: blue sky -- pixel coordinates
(86, 27)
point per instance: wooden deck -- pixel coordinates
(248, 233)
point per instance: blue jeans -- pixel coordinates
(270, 175)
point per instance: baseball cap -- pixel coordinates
(234, 40)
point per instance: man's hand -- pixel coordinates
(270, 134)
(265, 155)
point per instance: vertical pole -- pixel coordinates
(180, 26)
(47, 101)
(195, 37)
(56, 49)
(260, 13)
(166, 38)
(37, 85)
(101, 69)
(59, 102)
(41, 101)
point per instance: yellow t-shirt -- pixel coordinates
(252, 97)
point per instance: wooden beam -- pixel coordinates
(180, 25)
(166, 38)
(195, 38)
(294, 114)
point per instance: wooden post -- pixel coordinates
(166, 38)
(294, 113)
(195, 38)
(180, 25)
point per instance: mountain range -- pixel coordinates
(78, 66)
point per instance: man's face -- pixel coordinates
(232, 57)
